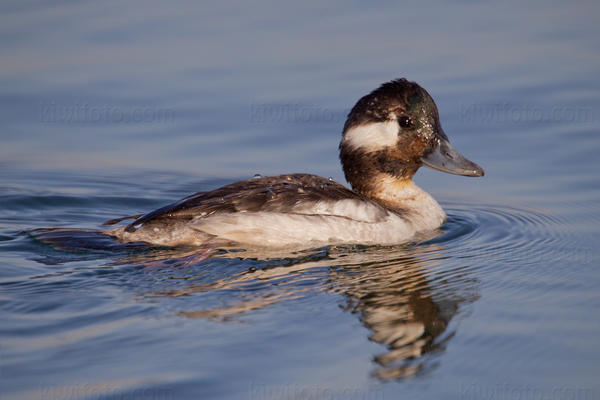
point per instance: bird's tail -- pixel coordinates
(80, 240)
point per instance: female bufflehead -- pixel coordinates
(387, 136)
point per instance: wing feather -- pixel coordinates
(294, 193)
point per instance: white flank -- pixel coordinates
(372, 137)
(283, 229)
(364, 211)
(329, 222)
(307, 224)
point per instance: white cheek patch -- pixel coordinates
(372, 137)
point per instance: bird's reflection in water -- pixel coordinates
(395, 301)
(402, 295)
(405, 295)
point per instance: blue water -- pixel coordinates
(110, 109)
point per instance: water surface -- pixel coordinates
(109, 111)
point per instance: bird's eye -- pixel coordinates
(405, 122)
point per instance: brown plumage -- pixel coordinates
(387, 136)
(267, 194)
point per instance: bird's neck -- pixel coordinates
(404, 196)
(387, 180)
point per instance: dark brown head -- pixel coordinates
(394, 130)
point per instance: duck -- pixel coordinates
(388, 135)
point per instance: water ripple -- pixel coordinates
(406, 296)
(501, 232)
